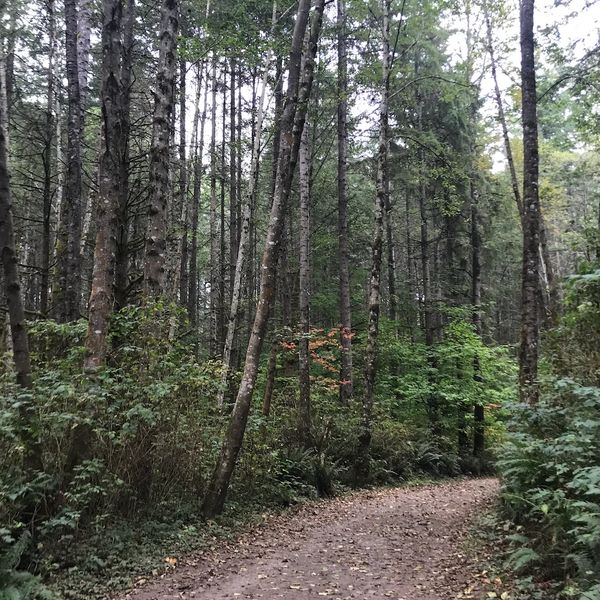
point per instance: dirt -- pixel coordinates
(406, 543)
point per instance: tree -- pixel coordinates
(292, 123)
(530, 338)
(156, 242)
(67, 287)
(16, 313)
(109, 182)
(376, 250)
(346, 386)
(304, 175)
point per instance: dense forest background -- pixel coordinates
(258, 251)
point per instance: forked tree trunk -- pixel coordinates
(304, 407)
(292, 123)
(156, 242)
(346, 384)
(109, 181)
(530, 339)
(364, 438)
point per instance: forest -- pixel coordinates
(299, 298)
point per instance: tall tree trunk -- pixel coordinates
(223, 272)
(193, 268)
(530, 338)
(547, 276)
(122, 242)
(233, 198)
(32, 458)
(478, 410)
(292, 123)
(156, 242)
(346, 383)
(364, 438)
(304, 407)
(214, 241)
(183, 187)
(67, 289)
(109, 180)
(47, 160)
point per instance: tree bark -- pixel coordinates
(233, 197)
(214, 241)
(478, 409)
(109, 181)
(364, 438)
(530, 339)
(292, 123)
(47, 160)
(156, 242)
(67, 289)
(183, 186)
(122, 243)
(346, 383)
(304, 405)
(391, 259)
(547, 276)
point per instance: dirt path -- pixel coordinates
(405, 544)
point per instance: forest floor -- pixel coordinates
(407, 543)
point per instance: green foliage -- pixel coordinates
(154, 433)
(19, 585)
(551, 465)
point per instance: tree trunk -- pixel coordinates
(32, 458)
(214, 242)
(304, 408)
(528, 363)
(292, 123)
(233, 198)
(47, 160)
(183, 187)
(346, 383)
(67, 289)
(193, 268)
(122, 242)
(391, 259)
(223, 271)
(156, 242)
(109, 180)
(364, 439)
(478, 410)
(547, 277)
